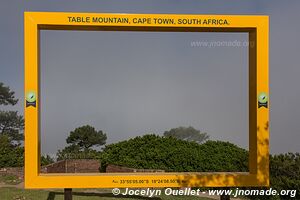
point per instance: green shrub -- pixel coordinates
(174, 155)
(284, 175)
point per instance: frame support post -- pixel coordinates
(68, 194)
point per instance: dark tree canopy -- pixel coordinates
(6, 95)
(10, 155)
(187, 133)
(81, 141)
(86, 137)
(11, 124)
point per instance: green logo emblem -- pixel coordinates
(30, 99)
(263, 100)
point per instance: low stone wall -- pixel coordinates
(73, 166)
(16, 171)
(120, 169)
(57, 167)
(83, 166)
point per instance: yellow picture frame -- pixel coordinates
(256, 26)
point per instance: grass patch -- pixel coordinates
(10, 179)
(21, 194)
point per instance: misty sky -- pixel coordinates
(132, 83)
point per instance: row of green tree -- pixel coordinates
(83, 141)
(11, 131)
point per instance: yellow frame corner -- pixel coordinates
(258, 29)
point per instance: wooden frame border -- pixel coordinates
(258, 29)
